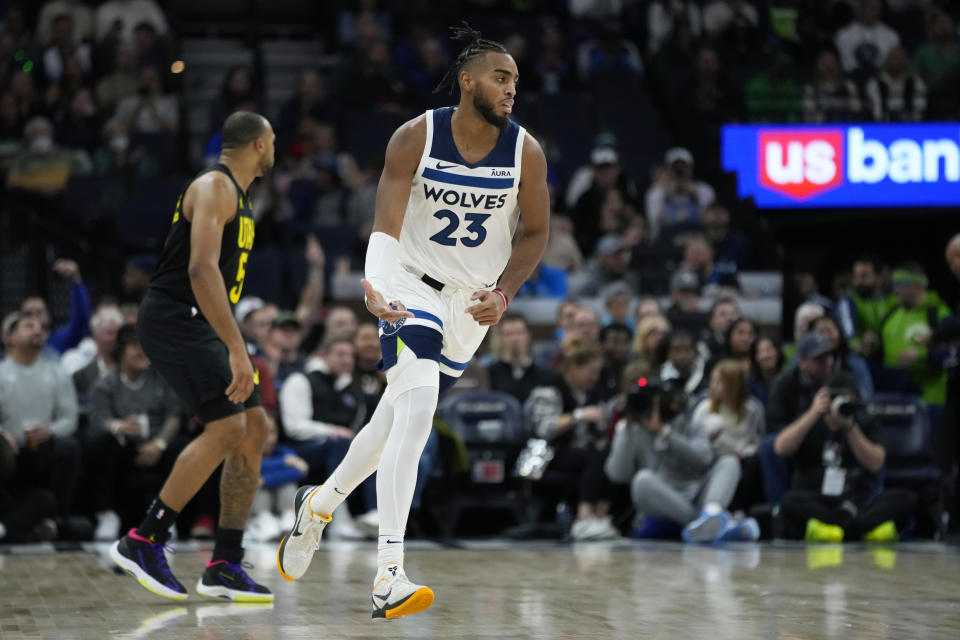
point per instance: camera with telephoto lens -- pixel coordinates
(845, 403)
(650, 392)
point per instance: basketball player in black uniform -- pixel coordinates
(186, 328)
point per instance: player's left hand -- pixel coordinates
(488, 310)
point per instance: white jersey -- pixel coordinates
(461, 217)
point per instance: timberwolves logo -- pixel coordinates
(388, 329)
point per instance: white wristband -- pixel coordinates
(381, 261)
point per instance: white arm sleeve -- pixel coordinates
(381, 262)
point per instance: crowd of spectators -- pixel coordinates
(85, 91)
(742, 424)
(89, 430)
(98, 91)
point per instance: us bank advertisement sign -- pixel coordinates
(848, 165)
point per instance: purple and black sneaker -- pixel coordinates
(146, 561)
(230, 581)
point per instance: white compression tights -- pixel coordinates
(391, 444)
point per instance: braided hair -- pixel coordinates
(475, 46)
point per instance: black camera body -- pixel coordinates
(666, 395)
(845, 402)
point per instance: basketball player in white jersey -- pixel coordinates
(455, 184)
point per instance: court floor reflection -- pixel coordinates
(497, 589)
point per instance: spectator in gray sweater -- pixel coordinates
(38, 409)
(735, 424)
(672, 471)
(135, 418)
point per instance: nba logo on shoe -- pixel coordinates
(801, 164)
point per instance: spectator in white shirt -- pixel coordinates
(321, 407)
(676, 197)
(720, 14)
(80, 14)
(662, 16)
(118, 18)
(865, 43)
(63, 46)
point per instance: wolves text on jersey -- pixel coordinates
(464, 198)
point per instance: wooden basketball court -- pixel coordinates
(500, 589)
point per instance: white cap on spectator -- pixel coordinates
(678, 154)
(604, 155)
(610, 244)
(618, 289)
(11, 319)
(246, 306)
(684, 280)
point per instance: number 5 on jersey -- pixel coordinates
(475, 227)
(241, 274)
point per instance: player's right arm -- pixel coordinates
(402, 159)
(213, 203)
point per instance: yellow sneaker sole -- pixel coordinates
(420, 600)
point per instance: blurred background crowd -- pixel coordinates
(654, 269)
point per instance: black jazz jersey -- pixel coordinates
(171, 277)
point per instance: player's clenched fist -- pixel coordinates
(489, 308)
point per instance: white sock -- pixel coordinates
(361, 460)
(397, 474)
(389, 548)
(713, 508)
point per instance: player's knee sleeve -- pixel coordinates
(369, 441)
(411, 372)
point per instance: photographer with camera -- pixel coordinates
(845, 359)
(836, 493)
(568, 415)
(671, 469)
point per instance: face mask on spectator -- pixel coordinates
(119, 142)
(42, 144)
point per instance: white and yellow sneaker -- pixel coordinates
(298, 546)
(394, 596)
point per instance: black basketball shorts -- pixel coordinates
(190, 356)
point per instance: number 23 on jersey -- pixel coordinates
(477, 232)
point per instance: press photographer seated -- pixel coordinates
(568, 413)
(836, 493)
(671, 469)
